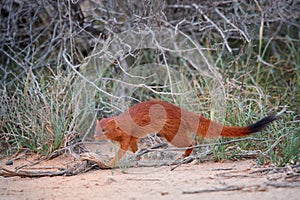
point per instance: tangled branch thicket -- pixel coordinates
(49, 52)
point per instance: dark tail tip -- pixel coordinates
(262, 123)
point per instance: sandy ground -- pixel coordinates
(209, 180)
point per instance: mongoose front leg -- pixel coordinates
(188, 151)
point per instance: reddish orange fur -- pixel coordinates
(175, 124)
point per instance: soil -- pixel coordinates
(209, 180)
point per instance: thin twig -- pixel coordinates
(74, 68)
(276, 143)
(144, 151)
(233, 25)
(206, 145)
(183, 161)
(214, 25)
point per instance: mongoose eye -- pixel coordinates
(104, 130)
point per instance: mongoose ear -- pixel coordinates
(112, 122)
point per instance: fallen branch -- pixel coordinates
(226, 189)
(284, 185)
(143, 179)
(234, 188)
(94, 157)
(78, 168)
(8, 173)
(289, 168)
